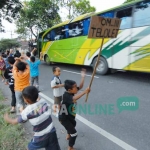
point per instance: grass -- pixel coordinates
(11, 136)
(1, 96)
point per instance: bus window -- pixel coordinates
(66, 31)
(60, 33)
(86, 24)
(142, 14)
(52, 35)
(47, 37)
(126, 18)
(107, 15)
(75, 29)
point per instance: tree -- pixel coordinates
(8, 43)
(77, 7)
(127, 1)
(37, 15)
(9, 10)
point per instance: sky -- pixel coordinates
(100, 5)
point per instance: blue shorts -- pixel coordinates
(50, 143)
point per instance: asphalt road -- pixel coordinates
(131, 127)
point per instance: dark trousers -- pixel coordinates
(49, 144)
(69, 125)
(13, 101)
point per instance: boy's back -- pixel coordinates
(34, 68)
(39, 116)
(21, 80)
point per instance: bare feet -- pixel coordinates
(71, 148)
(6, 83)
(3, 80)
(68, 137)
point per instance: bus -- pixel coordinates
(130, 50)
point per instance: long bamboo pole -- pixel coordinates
(94, 71)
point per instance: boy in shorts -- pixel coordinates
(56, 85)
(38, 114)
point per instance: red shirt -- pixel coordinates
(2, 64)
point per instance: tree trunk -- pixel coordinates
(33, 33)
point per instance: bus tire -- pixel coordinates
(102, 67)
(47, 60)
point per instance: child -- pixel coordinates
(17, 54)
(5, 57)
(34, 69)
(9, 76)
(2, 68)
(21, 74)
(69, 100)
(56, 85)
(28, 54)
(38, 113)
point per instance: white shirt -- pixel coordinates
(56, 91)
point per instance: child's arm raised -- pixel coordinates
(10, 120)
(76, 97)
(41, 56)
(58, 86)
(82, 78)
(32, 52)
(14, 65)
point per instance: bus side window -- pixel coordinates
(63, 33)
(126, 18)
(75, 29)
(86, 24)
(60, 33)
(142, 14)
(53, 35)
(47, 37)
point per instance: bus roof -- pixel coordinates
(120, 6)
(91, 14)
(83, 16)
(61, 24)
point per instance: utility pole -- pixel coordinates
(11, 33)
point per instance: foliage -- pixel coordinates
(11, 136)
(77, 7)
(127, 1)
(9, 10)
(8, 43)
(1, 96)
(37, 15)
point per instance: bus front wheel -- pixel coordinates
(47, 60)
(102, 67)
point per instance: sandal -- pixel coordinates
(12, 111)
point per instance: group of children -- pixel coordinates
(36, 109)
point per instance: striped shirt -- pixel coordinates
(9, 75)
(39, 115)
